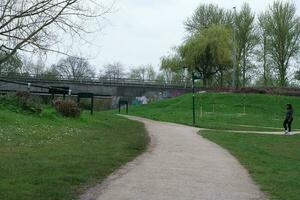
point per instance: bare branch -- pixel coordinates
(30, 25)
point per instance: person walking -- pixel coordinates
(287, 124)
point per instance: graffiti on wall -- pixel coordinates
(140, 101)
(149, 97)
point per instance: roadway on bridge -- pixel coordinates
(179, 164)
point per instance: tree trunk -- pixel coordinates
(222, 78)
(238, 75)
(282, 76)
(244, 68)
(204, 81)
(265, 61)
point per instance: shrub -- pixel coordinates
(67, 108)
(28, 103)
(21, 101)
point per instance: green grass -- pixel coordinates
(273, 161)
(48, 157)
(224, 111)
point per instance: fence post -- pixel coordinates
(92, 106)
(28, 87)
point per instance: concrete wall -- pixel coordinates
(129, 91)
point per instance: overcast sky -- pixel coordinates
(140, 32)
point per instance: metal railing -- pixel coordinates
(95, 79)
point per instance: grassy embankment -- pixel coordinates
(272, 160)
(224, 111)
(49, 157)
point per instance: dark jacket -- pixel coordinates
(289, 114)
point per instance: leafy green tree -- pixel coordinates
(208, 52)
(207, 15)
(246, 39)
(283, 28)
(174, 68)
(173, 62)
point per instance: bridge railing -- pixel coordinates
(93, 79)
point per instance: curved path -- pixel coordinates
(179, 165)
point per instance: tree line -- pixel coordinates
(240, 48)
(76, 68)
(225, 47)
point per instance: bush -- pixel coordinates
(28, 103)
(67, 108)
(21, 101)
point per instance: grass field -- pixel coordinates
(224, 111)
(48, 157)
(272, 160)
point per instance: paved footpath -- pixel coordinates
(179, 165)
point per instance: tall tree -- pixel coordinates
(32, 25)
(208, 52)
(74, 68)
(263, 50)
(247, 39)
(283, 27)
(207, 15)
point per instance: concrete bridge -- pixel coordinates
(100, 87)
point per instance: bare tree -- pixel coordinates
(32, 25)
(114, 71)
(74, 68)
(145, 72)
(31, 67)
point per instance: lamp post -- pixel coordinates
(193, 90)
(234, 75)
(193, 87)
(194, 77)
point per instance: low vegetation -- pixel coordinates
(46, 156)
(21, 102)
